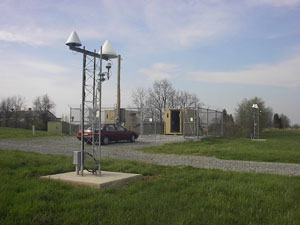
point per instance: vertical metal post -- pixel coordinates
(119, 90)
(183, 124)
(100, 101)
(142, 124)
(195, 122)
(94, 103)
(70, 120)
(154, 125)
(207, 121)
(222, 125)
(216, 120)
(198, 123)
(258, 123)
(82, 113)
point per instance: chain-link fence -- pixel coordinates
(192, 122)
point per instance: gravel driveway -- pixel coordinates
(129, 151)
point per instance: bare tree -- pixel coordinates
(43, 105)
(18, 104)
(161, 96)
(6, 109)
(185, 99)
(139, 98)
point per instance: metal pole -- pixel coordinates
(94, 108)
(154, 125)
(70, 120)
(222, 125)
(142, 124)
(119, 89)
(195, 122)
(100, 101)
(207, 121)
(258, 123)
(82, 113)
(183, 124)
(216, 119)
(197, 129)
(254, 123)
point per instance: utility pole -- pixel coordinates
(119, 90)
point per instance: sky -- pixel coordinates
(221, 50)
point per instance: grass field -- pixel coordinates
(167, 195)
(7, 132)
(280, 146)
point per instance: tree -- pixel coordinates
(43, 105)
(18, 104)
(161, 96)
(276, 121)
(296, 126)
(6, 109)
(281, 121)
(139, 98)
(244, 116)
(10, 110)
(285, 121)
(185, 99)
(228, 124)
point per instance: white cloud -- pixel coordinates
(30, 77)
(31, 35)
(160, 71)
(275, 3)
(151, 24)
(184, 23)
(283, 74)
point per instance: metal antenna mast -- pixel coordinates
(91, 96)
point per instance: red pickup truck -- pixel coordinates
(109, 132)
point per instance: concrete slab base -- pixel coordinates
(258, 139)
(88, 179)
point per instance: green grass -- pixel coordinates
(280, 146)
(8, 133)
(167, 195)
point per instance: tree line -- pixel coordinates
(162, 96)
(14, 112)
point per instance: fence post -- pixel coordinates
(207, 121)
(154, 125)
(142, 124)
(216, 119)
(70, 119)
(222, 125)
(183, 124)
(197, 129)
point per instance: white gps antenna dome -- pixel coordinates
(73, 40)
(107, 51)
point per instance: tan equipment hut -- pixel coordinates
(130, 119)
(179, 121)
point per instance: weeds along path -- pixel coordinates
(129, 151)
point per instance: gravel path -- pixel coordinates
(129, 151)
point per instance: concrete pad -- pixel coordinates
(88, 179)
(258, 139)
